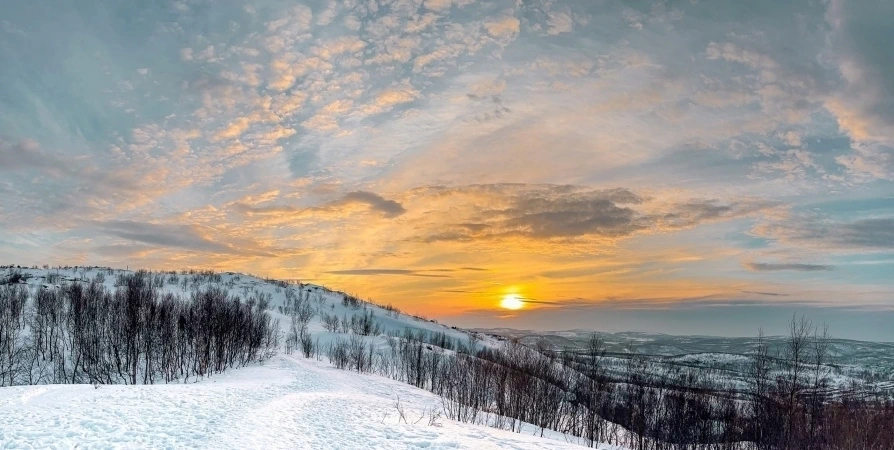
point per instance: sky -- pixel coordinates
(688, 167)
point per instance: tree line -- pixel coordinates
(131, 334)
(785, 402)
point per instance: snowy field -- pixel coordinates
(289, 402)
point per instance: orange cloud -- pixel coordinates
(503, 28)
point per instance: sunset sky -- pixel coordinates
(675, 166)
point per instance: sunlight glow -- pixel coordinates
(512, 301)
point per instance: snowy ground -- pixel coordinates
(289, 402)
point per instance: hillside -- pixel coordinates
(285, 401)
(288, 402)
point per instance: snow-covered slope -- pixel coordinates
(248, 287)
(289, 402)
(286, 402)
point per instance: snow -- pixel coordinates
(711, 358)
(289, 402)
(245, 286)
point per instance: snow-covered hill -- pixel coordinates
(286, 401)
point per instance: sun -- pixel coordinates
(512, 301)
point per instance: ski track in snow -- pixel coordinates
(287, 403)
